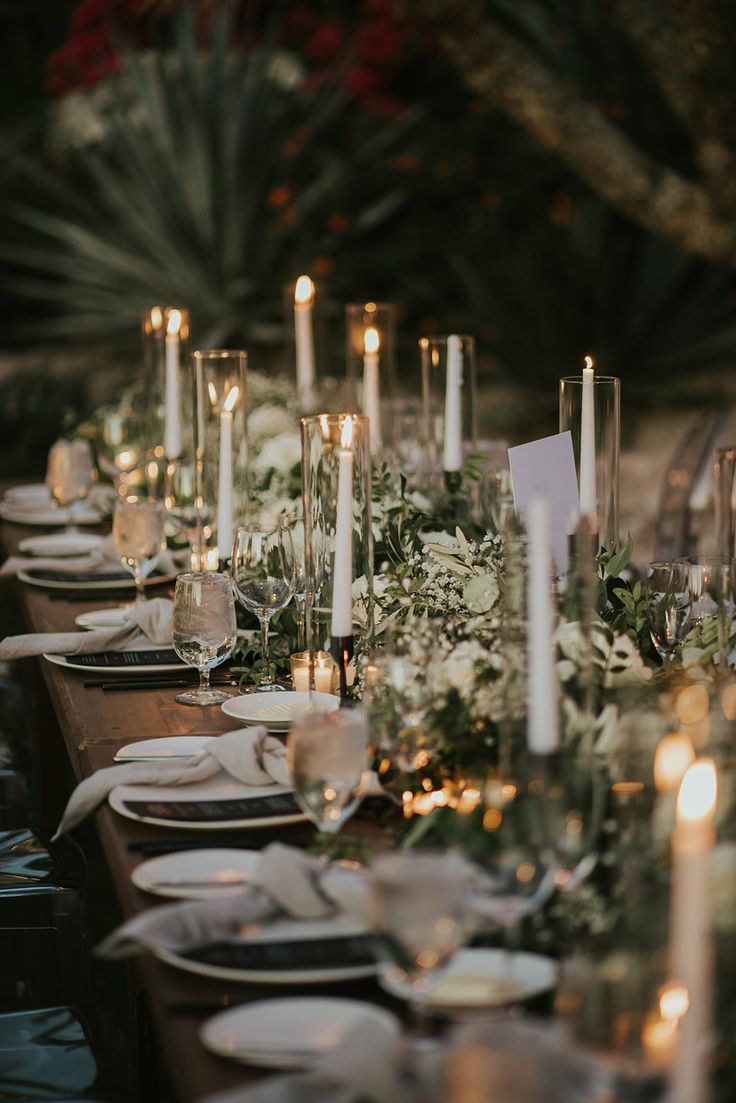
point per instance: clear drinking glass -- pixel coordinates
(138, 531)
(70, 473)
(205, 630)
(419, 909)
(263, 570)
(670, 606)
(327, 755)
(185, 510)
(119, 449)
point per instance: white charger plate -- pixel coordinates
(165, 747)
(219, 787)
(46, 516)
(117, 582)
(103, 618)
(479, 978)
(130, 671)
(284, 931)
(289, 1033)
(197, 874)
(27, 494)
(61, 544)
(277, 710)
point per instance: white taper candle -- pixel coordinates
(342, 574)
(588, 494)
(172, 401)
(543, 735)
(453, 442)
(372, 385)
(225, 477)
(304, 340)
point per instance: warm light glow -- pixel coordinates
(174, 323)
(346, 439)
(231, 399)
(696, 800)
(589, 363)
(370, 308)
(212, 391)
(673, 1001)
(692, 704)
(371, 340)
(157, 318)
(304, 291)
(324, 424)
(672, 760)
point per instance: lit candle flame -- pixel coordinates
(673, 757)
(212, 391)
(304, 291)
(174, 323)
(156, 317)
(231, 399)
(589, 362)
(371, 340)
(673, 1001)
(696, 800)
(346, 439)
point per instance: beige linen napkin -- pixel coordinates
(287, 882)
(103, 558)
(152, 618)
(250, 755)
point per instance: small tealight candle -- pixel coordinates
(323, 674)
(673, 758)
(300, 679)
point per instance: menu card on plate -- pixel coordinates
(208, 811)
(162, 656)
(546, 468)
(315, 953)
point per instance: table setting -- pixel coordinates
(504, 742)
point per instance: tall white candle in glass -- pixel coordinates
(225, 476)
(690, 927)
(542, 708)
(453, 439)
(172, 400)
(342, 576)
(588, 496)
(371, 384)
(304, 340)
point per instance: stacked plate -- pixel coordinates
(289, 1033)
(197, 874)
(61, 545)
(33, 505)
(277, 710)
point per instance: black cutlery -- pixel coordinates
(162, 846)
(155, 683)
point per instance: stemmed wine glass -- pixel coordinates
(263, 571)
(327, 756)
(184, 506)
(711, 582)
(119, 451)
(670, 602)
(205, 630)
(70, 473)
(138, 532)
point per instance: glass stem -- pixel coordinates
(140, 590)
(264, 650)
(204, 678)
(301, 635)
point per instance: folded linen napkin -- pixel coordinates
(250, 755)
(287, 882)
(369, 1064)
(152, 618)
(103, 559)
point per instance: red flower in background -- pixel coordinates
(325, 43)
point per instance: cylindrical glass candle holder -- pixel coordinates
(338, 540)
(169, 404)
(449, 404)
(313, 670)
(591, 410)
(219, 383)
(370, 342)
(314, 347)
(724, 467)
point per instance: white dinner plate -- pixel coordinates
(130, 671)
(276, 710)
(167, 746)
(46, 516)
(103, 618)
(478, 978)
(218, 788)
(284, 931)
(197, 874)
(289, 1033)
(105, 582)
(28, 495)
(61, 544)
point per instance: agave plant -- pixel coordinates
(211, 183)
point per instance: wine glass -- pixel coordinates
(711, 596)
(671, 605)
(419, 908)
(205, 630)
(184, 507)
(327, 755)
(138, 532)
(119, 451)
(263, 571)
(70, 473)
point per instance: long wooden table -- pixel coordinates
(94, 724)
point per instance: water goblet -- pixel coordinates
(184, 506)
(710, 587)
(328, 755)
(205, 630)
(263, 571)
(70, 473)
(119, 450)
(671, 606)
(138, 532)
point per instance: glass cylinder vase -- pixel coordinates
(338, 539)
(724, 467)
(370, 340)
(219, 383)
(590, 408)
(449, 404)
(165, 331)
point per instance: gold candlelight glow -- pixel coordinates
(696, 801)
(173, 325)
(673, 1001)
(371, 340)
(304, 291)
(673, 758)
(346, 437)
(232, 398)
(589, 362)
(157, 318)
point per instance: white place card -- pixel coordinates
(546, 468)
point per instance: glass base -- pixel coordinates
(202, 697)
(265, 687)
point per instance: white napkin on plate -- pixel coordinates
(102, 559)
(287, 882)
(249, 755)
(153, 618)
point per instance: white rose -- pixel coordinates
(282, 453)
(269, 421)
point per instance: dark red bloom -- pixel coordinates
(361, 81)
(378, 43)
(325, 43)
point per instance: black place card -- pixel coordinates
(340, 951)
(162, 656)
(210, 811)
(82, 577)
